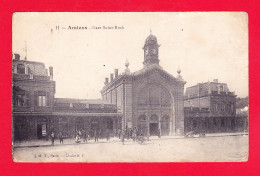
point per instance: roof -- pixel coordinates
(34, 68)
(155, 67)
(151, 39)
(74, 100)
(201, 88)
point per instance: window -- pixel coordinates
(223, 108)
(22, 98)
(20, 69)
(232, 108)
(41, 98)
(221, 88)
(215, 107)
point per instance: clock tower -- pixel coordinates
(151, 51)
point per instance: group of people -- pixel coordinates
(129, 134)
(60, 136)
(86, 135)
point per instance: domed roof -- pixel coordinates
(151, 39)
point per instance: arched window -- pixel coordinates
(154, 95)
(20, 69)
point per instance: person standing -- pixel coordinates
(79, 133)
(61, 137)
(99, 133)
(52, 138)
(123, 137)
(115, 134)
(96, 136)
(159, 133)
(134, 134)
(131, 133)
(119, 133)
(84, 136)
(108, 135)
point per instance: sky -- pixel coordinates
(204, 45)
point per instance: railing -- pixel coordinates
(76, 106)
(26, 76)
(22, 109)
(38, 77)
(20, 76)
(206, 94)
(31, 109)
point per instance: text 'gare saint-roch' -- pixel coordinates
(93, 27)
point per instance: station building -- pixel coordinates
(150, 99)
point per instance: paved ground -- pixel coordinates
(214, 148)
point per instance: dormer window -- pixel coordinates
(221, 88)
(20, 69)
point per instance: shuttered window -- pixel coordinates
(41, 98)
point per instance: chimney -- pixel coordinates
(106, 81)
(51, 73)
(116, 73)
(16, 56)
(111, 77)
(215, 80)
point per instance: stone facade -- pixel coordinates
(150, 99)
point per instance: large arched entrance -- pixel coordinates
(153, 125)
(153, 100)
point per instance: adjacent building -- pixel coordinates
(37, 113)
(210, 107)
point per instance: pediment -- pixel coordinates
(154, 70)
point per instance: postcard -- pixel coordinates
(130, 87)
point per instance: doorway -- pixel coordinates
(41, 131)
(153, 129)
